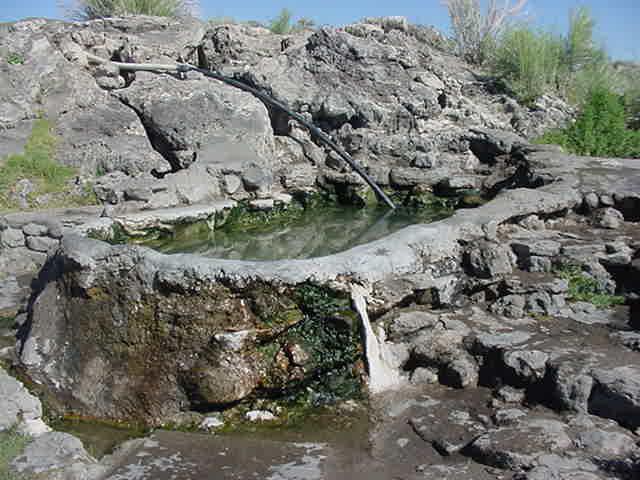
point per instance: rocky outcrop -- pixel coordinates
(410, 113)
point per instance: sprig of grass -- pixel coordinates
(36, 164)
(584, 288)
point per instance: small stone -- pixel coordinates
(540, 303)
(508, 394)
(488, 259)
(256, 178)
(461, 373)
(265, 204)
(35, 229)
(42, 244)
(508, 416)
(231, 184)
(511, 306)
(282, 198)
(616, 395)
(539, 264)
(601, 442)
(212, 422)
(425, 160)
(423, 375)
(55, 230)
(402, 442)
(532, 222)
(260, 416)
(607, 200)
(591, 200)
(12, 238)
(608, 218)
(528, 366)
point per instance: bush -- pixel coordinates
(281, 25)
(531, 62)
(91, 9)
(474, 33)
(600, 129)
(632, 107)
(528, 62)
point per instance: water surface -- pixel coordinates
(314, 232)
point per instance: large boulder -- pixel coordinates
(115, 333)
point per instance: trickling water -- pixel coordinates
(315, 232)
(383, 371)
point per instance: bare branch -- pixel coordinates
(473, 31)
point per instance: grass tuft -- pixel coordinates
(37, 164)
(92, 9)
(11, 445)
(584, 288)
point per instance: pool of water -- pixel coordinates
(313, 232)
(99, 439)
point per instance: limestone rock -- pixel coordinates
(488, 260)
(517, 447)
(17, 405)
(616, 395)
(59, 456)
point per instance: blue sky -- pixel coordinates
(618, 20)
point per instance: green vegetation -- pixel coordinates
(91, 9)
(15, 59)
(37, 165)
(584, 288)
(599, 130)
(7, 321)
(281, 25)
(528, 62)
(11, 445)
(531, 62)
(328, 334)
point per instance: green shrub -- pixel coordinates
(528, 61)
(599, 130)
(632, 107)
(628, 81)
(580, 48)
(91, 9)
(531, 62)
(281, 25)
